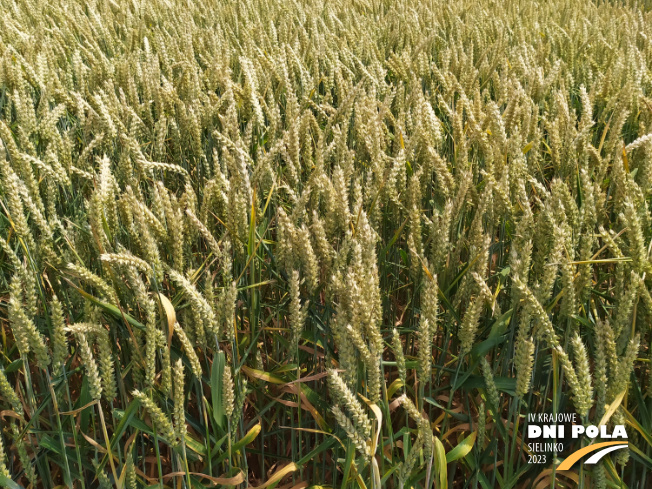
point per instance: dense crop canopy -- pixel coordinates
(342, 243)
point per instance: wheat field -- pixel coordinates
(310, 243)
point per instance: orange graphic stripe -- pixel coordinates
(575, 456)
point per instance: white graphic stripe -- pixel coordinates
(595, 458)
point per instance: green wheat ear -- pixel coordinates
(161, 422)
(493, 396)
(179, 400)
(3, 459)
(228, 394)
(90, 366)
(523, 363)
